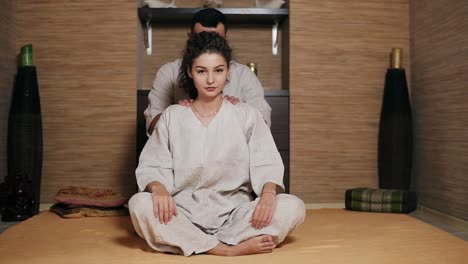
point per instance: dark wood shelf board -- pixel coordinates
(233, 15)
(274, 93)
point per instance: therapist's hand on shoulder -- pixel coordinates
(186, 102)
(233, 100)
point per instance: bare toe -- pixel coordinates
(267, 238)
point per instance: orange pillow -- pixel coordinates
(89, 196)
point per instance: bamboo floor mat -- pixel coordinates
(327, 236)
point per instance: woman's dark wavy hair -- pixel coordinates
(198, 44)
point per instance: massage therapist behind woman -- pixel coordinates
(243, 84)
(198, 168)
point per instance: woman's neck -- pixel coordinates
(209, 105)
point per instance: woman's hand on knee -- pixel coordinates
(264, 211)
(164, 207)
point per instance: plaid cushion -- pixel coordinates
(383, 200)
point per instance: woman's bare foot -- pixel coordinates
(254, 245)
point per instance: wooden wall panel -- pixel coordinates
(339, 52)
(85, 53)
(439, 34)
(7, 72)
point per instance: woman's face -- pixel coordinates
(209, 73)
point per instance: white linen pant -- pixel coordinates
(180, 236)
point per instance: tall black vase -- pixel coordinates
(395, 131)
(24, 149)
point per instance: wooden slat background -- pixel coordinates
(7, 72)
(85, 53)
(439, 33)
(338, 57)
(86, 57)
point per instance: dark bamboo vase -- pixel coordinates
(395, 132)
(24, 151)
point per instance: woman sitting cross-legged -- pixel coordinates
(200, 165)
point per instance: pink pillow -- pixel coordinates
(89, 196)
